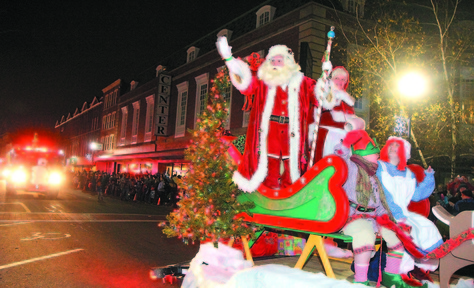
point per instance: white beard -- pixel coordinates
(277, 76)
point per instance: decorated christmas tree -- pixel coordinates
(208, 206)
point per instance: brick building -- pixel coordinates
(77, 131)
(145, 128)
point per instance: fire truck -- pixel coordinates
(34, 169)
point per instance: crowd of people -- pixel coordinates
(456, 196)
(157, 189)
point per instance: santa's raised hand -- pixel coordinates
(223, 48)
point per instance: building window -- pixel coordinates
(226, 33)
(351, 6)
(265, 15)
(192, 53)
(112, 120)
(106, 143)
(104, 119)
(358, 103)
(111, 142)
(246, 119)
(136, 118)
(115, 97)
(106, 97)
(264, 18)
(123, 128)
(202, 97)
(201, 92)
(107, 119)
(150, 104)
(227, 94)
(181, 109)
(467, 94)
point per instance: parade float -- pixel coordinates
(213, 210)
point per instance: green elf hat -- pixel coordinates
(361, 143)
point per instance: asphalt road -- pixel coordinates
(76, 241)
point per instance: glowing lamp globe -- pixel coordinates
(412, 85)
(93, 146)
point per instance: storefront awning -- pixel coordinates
(169, 156)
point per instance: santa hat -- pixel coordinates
(404, 151)
(361, 143)
(281, 50)
(336, 71)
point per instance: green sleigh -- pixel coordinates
(315, 204)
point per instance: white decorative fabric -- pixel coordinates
(423, 231)
(225, 268)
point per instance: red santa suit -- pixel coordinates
(277, 125)
(337, 117)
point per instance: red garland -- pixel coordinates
(408, 243)
(411, 247)
(254, 61)
(401, 229)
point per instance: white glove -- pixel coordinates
(327, 66)
(223, 47)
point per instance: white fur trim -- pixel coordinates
(354, 123)
(294, 115)
(406, 146)
(262, 169)
(239, 68)
(342, 95)
(339, 116)
(334, 137)
(321, 90)
(279, 50)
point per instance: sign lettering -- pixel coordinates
(162, 105)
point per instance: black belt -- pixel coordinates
(280, 119)
(360, 208)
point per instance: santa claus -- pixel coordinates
(337, 117)
(283, 99)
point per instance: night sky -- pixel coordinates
(55, 55)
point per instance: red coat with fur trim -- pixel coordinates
(300, 97)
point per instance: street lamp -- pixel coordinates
(94, 147)
(413, 85)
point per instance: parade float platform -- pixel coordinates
(341, 267)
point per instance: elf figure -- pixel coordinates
(366, 200)
(400, 186)
(277, 130)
